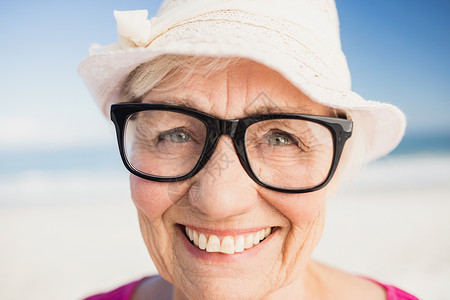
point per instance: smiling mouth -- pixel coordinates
(229, 244)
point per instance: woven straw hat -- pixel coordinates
(298, 38)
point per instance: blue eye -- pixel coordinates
(176, 135)
(280, 139)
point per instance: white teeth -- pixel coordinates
(213, 244)
(248, 241)
(239, 244)
(267, 231)
(261, 234)
(195, 237)
(202, 241)
(229, 244)
(256, 238)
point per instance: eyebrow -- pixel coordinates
(248, 111)
(303, 109)
(182, 102)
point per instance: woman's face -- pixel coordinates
(222, 205)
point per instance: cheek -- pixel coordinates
(154, 201)
(152, 198)
(299, 209)
(306, 216)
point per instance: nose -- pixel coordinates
(222, 188)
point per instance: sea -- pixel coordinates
(106, 158)
(39, 176)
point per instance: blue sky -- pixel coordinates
(398, 52)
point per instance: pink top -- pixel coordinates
(121, 293)
(126, 291)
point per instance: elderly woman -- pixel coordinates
(237, 122)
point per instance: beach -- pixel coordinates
(67, 235)
(68, 226)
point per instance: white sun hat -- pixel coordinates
(298, 38)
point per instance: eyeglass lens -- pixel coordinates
(284, 153)
(289, 153)
(164, 143)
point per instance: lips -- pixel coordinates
(228, 244)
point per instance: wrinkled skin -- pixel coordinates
(227, 198)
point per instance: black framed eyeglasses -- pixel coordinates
(284, 152)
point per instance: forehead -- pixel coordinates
(237, 91)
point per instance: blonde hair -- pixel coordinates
(168, 72)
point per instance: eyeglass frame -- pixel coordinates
(340, 129)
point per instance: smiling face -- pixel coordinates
(219, 235)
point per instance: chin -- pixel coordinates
(251, 274)
(225, 288)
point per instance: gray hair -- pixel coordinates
(163, 73)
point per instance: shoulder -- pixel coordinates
(155, 287)
(336, 284)
(350, 286)
(124, 292)
(394, 293)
